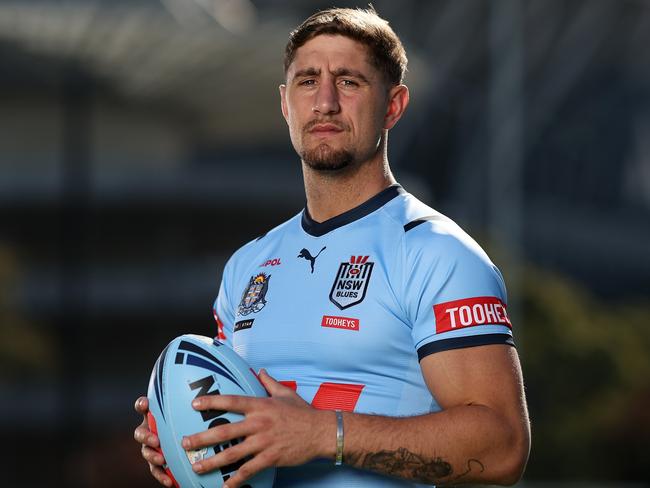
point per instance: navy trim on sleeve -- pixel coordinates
(318, 229)
(462, 342)
(416, 222)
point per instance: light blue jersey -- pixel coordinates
(343, 311)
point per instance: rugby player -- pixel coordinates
(379, 327)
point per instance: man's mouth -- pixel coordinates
(325, 128)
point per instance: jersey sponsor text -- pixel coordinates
(340, 322)
(470, 312)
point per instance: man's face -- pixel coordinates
(335, 103)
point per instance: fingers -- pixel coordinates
(276, 389)
(270, 384)
(229, 403)
(248, 470)
(160, 475)
(218, 435)
(228, 457)
(143, 435)
(152, 456)
(150, 443)
(156, 462)
(142, 405)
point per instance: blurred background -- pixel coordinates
(141, 143)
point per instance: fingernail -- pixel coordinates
(197, 467)
(140, 403)
(186, 443)
(196, 403)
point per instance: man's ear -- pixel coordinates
(283, 102)
(398, 100)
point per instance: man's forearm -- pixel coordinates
(464, 444)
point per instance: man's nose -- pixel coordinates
(327, 99)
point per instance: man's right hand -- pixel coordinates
(150, 444)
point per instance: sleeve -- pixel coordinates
(456, 296)
(223, 310)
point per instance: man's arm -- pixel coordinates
(481, 435)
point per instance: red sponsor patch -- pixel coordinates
(340, 322)
(469, 312)
(271, 262)
(220, 335)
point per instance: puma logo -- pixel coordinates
(304, 253)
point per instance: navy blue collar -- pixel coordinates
(318, 229)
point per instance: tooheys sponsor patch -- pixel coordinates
(470, 312)
(340, 322)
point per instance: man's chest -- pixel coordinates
(322, 305)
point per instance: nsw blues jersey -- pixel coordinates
(343, 311)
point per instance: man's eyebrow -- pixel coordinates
(306, 72)
(350, 72)
(337, 72)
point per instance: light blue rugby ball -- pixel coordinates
(188, 367)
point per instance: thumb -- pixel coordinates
(272, 386)
(142, 405)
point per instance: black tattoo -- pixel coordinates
(478, 466)
(405, 464)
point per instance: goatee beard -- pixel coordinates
(324, 158)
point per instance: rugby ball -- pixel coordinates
(188, 367)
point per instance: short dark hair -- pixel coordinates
(386, 51)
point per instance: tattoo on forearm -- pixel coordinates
(473, 465)
(405, 464)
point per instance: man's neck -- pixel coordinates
(331, 194)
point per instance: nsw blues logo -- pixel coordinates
(253, 299)
(351, 282)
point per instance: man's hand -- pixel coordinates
(150, 444)
(282, 430)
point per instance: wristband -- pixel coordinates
(339, 438)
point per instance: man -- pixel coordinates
(373, 307)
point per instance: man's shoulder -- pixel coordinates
(430, 231)
(257, 245)
(410, 213)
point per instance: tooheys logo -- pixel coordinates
(351, 282)
(469, 312)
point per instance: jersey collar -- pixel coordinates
(318, 229)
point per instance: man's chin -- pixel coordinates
(324, 158)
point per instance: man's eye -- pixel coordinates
(308, 82)
(349, 83)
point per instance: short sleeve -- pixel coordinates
(224, 311)
(455, 296)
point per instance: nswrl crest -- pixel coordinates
(253, 299)
(351, 282)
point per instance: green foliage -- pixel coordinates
(586, 365)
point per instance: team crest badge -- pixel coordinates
(351, 282)
(253, 299)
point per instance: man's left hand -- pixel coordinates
(281, 430)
